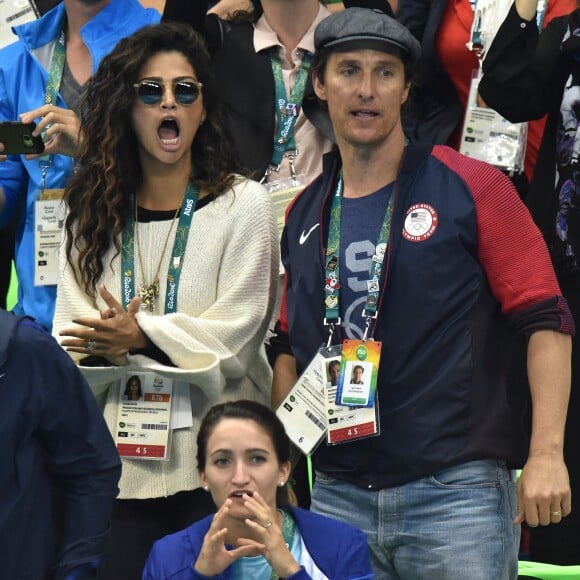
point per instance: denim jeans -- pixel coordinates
(456, 524)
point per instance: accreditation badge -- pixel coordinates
(359, 368)
(144, 416)
(49, 216)
(489, 137)
(351, 403)
(303, 410)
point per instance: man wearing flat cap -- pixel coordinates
(424, 264)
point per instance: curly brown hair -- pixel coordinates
(100, 194)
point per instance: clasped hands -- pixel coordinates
(214, 557)
(112, 335)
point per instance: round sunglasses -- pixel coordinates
(185, 92)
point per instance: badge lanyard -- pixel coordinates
(55, 73)
(179, 244)
(287, 111)
(332, 285)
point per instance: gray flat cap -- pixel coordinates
(360, 24)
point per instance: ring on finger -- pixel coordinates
(91, 344)
(267, 525)
(557, 513)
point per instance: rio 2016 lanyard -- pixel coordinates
(287, 111)
(332, 284)
(179, 244)
(54, 79)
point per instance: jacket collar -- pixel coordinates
(104, 27)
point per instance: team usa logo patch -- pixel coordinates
(420, 223)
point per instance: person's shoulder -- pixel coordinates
(184, 542)
(245, 186)
(178, 551)
(26, 330)
(478, 175)
(323, 526)
(247, 195)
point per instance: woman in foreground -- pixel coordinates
(243, 457)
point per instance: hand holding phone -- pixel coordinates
(18, 139)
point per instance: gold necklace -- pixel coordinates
(149, 293)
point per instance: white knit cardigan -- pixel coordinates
(225, 300)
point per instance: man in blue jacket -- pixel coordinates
(428, 258)
(60, 467)
(42, 78)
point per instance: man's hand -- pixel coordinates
(544, 495)
(61, 129)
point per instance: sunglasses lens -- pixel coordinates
(185, 93)
(150, 92)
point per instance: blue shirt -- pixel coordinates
(361, 222)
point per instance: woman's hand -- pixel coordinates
(60, 129)
(226, 8)
(214, 558)
(110, 336)
(265, 527)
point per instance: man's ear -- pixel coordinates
(319, 88)
(405, 94)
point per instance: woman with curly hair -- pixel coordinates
(168, 269)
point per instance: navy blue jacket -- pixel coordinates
(454, 314)
(59, 468)
(336, 549)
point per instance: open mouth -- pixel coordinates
(364, 113)
(169, 132)
(239, 494)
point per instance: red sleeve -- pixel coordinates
(511, 249)
(283, 319)
(558, 8)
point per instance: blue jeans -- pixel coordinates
(456, 524)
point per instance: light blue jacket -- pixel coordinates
(23, 76)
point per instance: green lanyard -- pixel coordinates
(55, 73)
(287, 109)
(179, 244)
(332, 286)
(56, 69)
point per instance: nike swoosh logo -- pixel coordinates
(304, 235)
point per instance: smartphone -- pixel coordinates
(17, 138)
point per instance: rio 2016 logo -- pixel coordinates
(361, 352)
